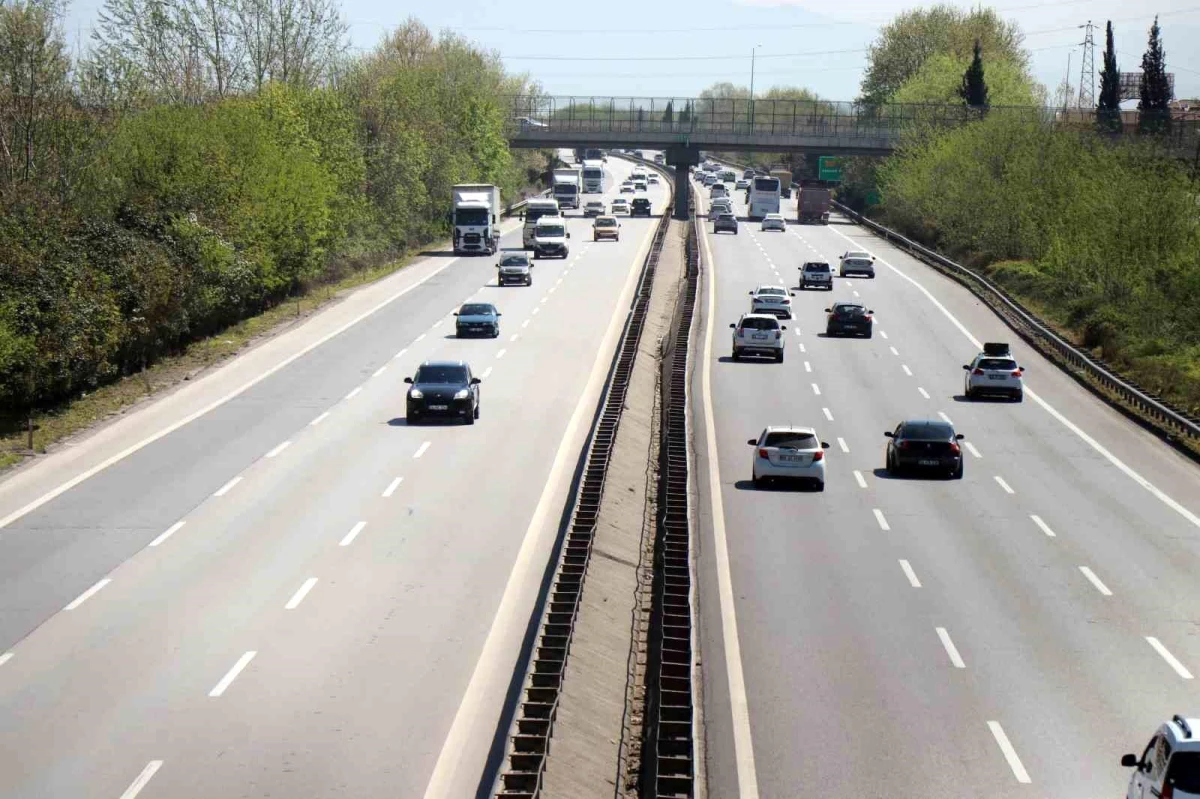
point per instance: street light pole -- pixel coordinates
(753, 52)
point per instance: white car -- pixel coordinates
(856, 262)
(721, 205)
(774, 222)
(627, 187)
(758, 334)
(717, 190)
(775, 300)
(1170, 764)
(994, 371)
(816, 273)
(619, 206)
(710, 179)
(789, 453)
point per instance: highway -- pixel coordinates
(1011, 634)
(291, 592)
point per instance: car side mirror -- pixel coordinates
(959, 437)
(1020, 368)
(408, 380)
(889, 434)
(753, 442)
(475, 381)
(456, 313)
(783, 327)
(824, 445)
(751, 293)
(828, 310)
(792, 293)
(1129, 761)
(731, 324)
(870, 312)
(499, 314)
(967, 367)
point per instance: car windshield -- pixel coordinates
(927, 431)
(534, 213)
(471, 216)
(476, 309)
(1184, 772)
(997, 363)
(817, 267)
(551, 231)
(606, 222)
(514, 260)
(441, 374)
(760, 324)
(791, 440)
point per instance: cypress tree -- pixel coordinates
(1154, 112)
(1108, 110)
(669, 114)
(974, 91)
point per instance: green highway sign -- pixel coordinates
(829, 167)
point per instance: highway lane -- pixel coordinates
(312, 630)
(852, 672)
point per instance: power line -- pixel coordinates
(739, 57)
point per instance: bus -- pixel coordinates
(593, 177)
(764, 196)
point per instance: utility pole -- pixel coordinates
(1067, 86)
(1087, 71)
(753, 51)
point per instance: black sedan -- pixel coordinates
(848, 317)
(477, 319)
(443, 388)
(923, 444)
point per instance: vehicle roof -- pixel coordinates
(789, 428)
(486, 304)
(816, 263)
(770, 287)
(767, 316)
(551, 220)
(848, 303)
(773, 216)
(929, 423)
(443, 363)
(541, 201)
(1187, 743)
(606, 219)
(857, 254)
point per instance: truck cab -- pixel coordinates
(475, 218)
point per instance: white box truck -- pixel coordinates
(593, 177)
(475, 216)
(568, 183)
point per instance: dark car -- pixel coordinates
(848, 317)
(639, 207)
(443, 388)
(477, 319)
(927, 445)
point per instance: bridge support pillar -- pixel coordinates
(682, 157)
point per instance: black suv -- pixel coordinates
(848, 317)
(443, 388)
(925, 444)
(639, 207)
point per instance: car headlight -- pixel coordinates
(415, 393)
(462, 394)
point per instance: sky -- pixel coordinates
(677, 48)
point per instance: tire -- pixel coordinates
(828, 333)
(870, 334)
(957, 473)
(529, 280)
(496, 331)
(755, 480)
(412, 419)
(737, 354)
(476, 410)
(1019, 396)
(969, 393)
(779, 357)
(470, 418)
(535, 255)
(821, 486)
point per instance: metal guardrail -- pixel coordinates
(1169, 420)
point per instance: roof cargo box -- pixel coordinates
(995, 349)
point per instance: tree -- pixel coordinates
(669, 114)
(908, 41)
(1108, 109)
(686, 114)
(1154, 107)
(939, 82)
(974, 91)
(210, 26)
(34, 91)
(148, 39)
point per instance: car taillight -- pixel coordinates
(819, 455)
(901, 445)
(778, 333)
(867, 317)
(1016, 374)
(762, 453)
(955, 448)
(977, 372)
(1168, 790)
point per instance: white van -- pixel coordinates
(535, 209)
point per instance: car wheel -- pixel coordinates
(957, 473)
(755, 480)
(529, 281)
(469, 418)
(496, 331)
(820, 486)
(477, 409)
(779, 357)
(1019, 396)
(737, 354)
(870, 334)
(412, 419)
(969, 393)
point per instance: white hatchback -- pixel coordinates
(789, 453)
(774, 222)
(774, 300)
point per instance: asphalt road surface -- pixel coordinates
(1007, 635)
(296, 594)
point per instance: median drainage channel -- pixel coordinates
(579, 726)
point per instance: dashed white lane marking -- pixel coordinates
(951, 649)
(1045, 528)
(855, 293)
(225, 489)
(88, 594)
(279, 448)
(971, 449)
(816, 389)
(801, 345)
(420, 337)
(1167, 656)
(138, 784)
(485, 374)
(842, 443)
(796, 330)
(354, 393)
(848, 284)
(400, 354)
(923, 392)
(7, 656)
(319, 419)
(1000, 481)
(421, 450)
(945, 418)
(301, 592)
(232, 674)
(535, 310)
(544, 300)
(1096, 581)
(883, 333)
(910, 574)
(500, 354)
(349, 537)
(392, 486)
(807, 366)
(828, 414)
(525, 323)
(1010, 754)
(895, 351)
(907, 371)
(883, 524)
(165, 534)
(379, 371)
(858, 476)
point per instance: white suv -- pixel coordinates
(758, 334)
(816, 273)
(791, 453)
(994, 371)
(1170, 765)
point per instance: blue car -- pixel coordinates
(477, 319)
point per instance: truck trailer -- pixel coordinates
(813, 202)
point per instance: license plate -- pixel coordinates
(759, 336)
(927, 463)
(996, 377)
(438, 407)
(790, 458)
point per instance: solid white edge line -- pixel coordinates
(511, 617)
(842, 443)
(1093, 443)
(1009, 753)
(1096, 581)
(301, 592)
(225, 489)
(138, 784)
(349, 537)
(971, 449)
(1000, 481)
(945, 418)
(88, 594)
(232, 674)
(319, 419)
(4, 658)
(419, 338)
(279, 448)
(392, 486)
(883, 524)
(165, 534)
(1167, 656)
(862, 483)
(379, 371)
(353, 393)
(1045, 528)
(109, 461)
(421, 450)
(400, 354)
(909, 573)
(951, 650)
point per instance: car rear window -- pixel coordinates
(1184, 772)
(997, 363)
(761, 324)
(441, 374)
(792, 440)
(726, 216)
(772, 290)
(849, 310)
(858, 262)
(933, 431)
(476, 309)
(817, 267)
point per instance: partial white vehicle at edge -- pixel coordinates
(789, 453)
(1169, 766)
